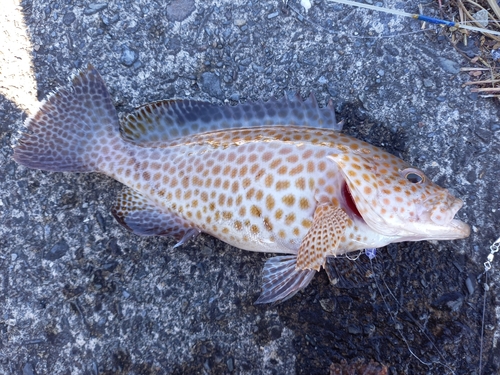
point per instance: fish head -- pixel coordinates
(397, 200)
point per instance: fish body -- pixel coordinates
(275, 176)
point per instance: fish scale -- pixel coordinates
(274, 176)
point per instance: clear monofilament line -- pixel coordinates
(419, 17)
(373, 7)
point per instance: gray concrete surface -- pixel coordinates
(79, 295)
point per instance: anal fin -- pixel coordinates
(281, 280)
(323, 238)
(142, 217)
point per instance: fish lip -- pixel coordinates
(450, 204)
(454, 230)
(424, 228)
(460, 228)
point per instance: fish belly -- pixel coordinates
(258, 196)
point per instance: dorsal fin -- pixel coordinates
(159, 123)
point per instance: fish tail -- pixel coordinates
(71, 126)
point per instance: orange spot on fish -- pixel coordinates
(304, 203)
(255, 211)
(270, 202)
(275, 163)
(282, 170)
(268, 181)
(267, 224)
(310, 166)
(300, 183)
(289, 219)
(289, 200)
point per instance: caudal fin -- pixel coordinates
(70, 127)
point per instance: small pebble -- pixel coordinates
(327, 304)
(322, 80)
(449, 66)
(57, 251)
(179, 10)
(109, 20)
(100, 221)
(210, 83)
(128, 56)
(428, 82)
(306, 4)
(230, 364)
(481, 17)
(69, 18)
(28, 369)
(94, 8)
(495, 54)
(354, 330)
(471, 284)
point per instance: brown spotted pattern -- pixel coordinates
(324, 238)
(258, 188)
(193, 166)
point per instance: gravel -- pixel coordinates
(80, 295)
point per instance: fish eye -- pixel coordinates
(414, 177)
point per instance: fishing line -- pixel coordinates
(419, 17)
(328, 31)
(393, 316)
(487, 266)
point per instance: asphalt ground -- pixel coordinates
(80, 295)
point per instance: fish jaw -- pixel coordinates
(398, 201)
(437, 220)
(425, 226)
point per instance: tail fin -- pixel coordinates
(70, 127)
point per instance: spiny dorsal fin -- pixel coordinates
(158, 124)
(140, 216)
(323, 238)
(281, 280)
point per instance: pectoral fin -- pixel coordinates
(140, 216)
(323, 238)
(281, 279)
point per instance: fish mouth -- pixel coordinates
(429, 225)
(439, 223)
(459, 228)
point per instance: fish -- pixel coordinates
(273, 176)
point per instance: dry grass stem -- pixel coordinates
(484, 72)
